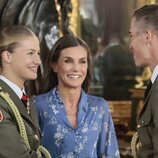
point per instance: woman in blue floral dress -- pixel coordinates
(74, 124)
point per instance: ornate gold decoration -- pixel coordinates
(43, 150)
(21, 125)
(150, 1)
(142, 2)
(18, 117)
(74, 17)
(59, 17)
(146, 75)
(135, 144)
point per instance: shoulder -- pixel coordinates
(41, 96)
(99, 107)
(3, 104)
(97, 101)
(42, 99)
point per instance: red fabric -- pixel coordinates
(1, 116)
(24, 98)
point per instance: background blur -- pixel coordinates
(104, 25)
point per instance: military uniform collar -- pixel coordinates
(13, 86)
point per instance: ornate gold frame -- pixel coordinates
(74, 18)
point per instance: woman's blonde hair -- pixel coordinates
(11, 36)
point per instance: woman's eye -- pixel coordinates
(67, 61)
(39, 53)
(83, 61)
(30, 53)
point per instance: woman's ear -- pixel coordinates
(54, 67)
(6, 57)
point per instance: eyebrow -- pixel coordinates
(34, 50)
(84, 58)
(72, 58)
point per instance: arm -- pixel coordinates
(11, 143)
(154, 104)
(148, 127)
(108, 142)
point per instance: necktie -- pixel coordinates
(147, 89)
(25, 100)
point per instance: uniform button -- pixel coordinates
(142, 121)
(138, 126)
(36, 137)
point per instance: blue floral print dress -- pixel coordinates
(94, 136)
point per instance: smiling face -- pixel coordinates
(139, 44)
(71, 67)
(22, 63)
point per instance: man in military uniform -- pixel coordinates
(144, 46)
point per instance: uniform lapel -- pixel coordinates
(33, 115)
(154, 85)
(18, 103)
(147, 90)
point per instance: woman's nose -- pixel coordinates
(75, 67)
(38, 60)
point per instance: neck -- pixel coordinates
(70, 97)
(11, 78)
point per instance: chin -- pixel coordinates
(32, 77)
(137, 63)
(75, 86)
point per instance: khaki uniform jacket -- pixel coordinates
(11, 143)
(147, 127)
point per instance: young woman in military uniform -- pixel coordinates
(19, 61)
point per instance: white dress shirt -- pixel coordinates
(154, 74)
